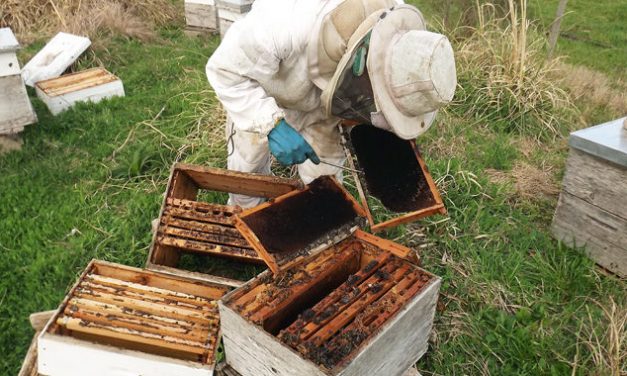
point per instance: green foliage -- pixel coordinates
(88, 183)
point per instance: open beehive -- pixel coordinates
(122, 320)
(340, 301)
(392, 171)
(189, 225)
(91, 85)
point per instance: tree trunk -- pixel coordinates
(555, 27)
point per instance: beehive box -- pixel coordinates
(122, 320)
(16, 110)
(201, 15)
(393, 171)
(189, 225)
(92, 85)
(592, 209)
(230, 11)
(341, 302)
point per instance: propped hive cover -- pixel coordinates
(301, 222)
(56, 56)
(394, 173)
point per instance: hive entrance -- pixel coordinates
(391, 169)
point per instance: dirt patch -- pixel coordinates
(529, 182)
(392, 172)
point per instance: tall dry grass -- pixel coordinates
(505, 79)
(95, 18)
(593, 89)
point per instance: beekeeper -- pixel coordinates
(291, 70)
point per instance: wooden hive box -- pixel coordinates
(592, 208)
(201, 15)
(230, 11)
(187, 224)
(16, 110)
(393, 172)
(92, 85)
(340, 301)
(122, 320)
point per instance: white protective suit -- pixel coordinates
(260, 72)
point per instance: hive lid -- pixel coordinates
(607, 141)
(8, 43)
(392, 171)
(301, 223)
(56, 56)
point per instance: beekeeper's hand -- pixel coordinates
(288, 146)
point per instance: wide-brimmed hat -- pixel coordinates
(412, 71)
(331, 34)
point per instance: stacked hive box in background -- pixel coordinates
(122, 320)
(15, 108)
(230, 11)
(592, 209)
(340, 301)
(201, 16)
(187, 224)
(92, 85)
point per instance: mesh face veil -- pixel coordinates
(353, 98)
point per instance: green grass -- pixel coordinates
(88, 182)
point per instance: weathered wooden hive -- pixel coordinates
(122, 320)
(16, 111)
(189, 225)
(201, 16)
(230, 11)
(92, 85)
(392, 172)
(592, 209)
(337, 301)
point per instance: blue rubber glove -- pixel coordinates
(288, 146)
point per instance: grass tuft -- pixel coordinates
(30, 19)
(505, 79)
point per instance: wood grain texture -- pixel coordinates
(603, 234)
(402, 341)
(597, 182)
(201, 14)
(16, 110)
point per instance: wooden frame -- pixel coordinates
(185, 182)
(362, 188)
(256, 345)
(322, 239)
(117, 318)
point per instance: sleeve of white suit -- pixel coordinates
(251, 52)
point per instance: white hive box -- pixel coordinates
(230, 11)
(201, 15)
(56, 56)
(592, 209)
(16, 110)
(118, 320)
(91, 85)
